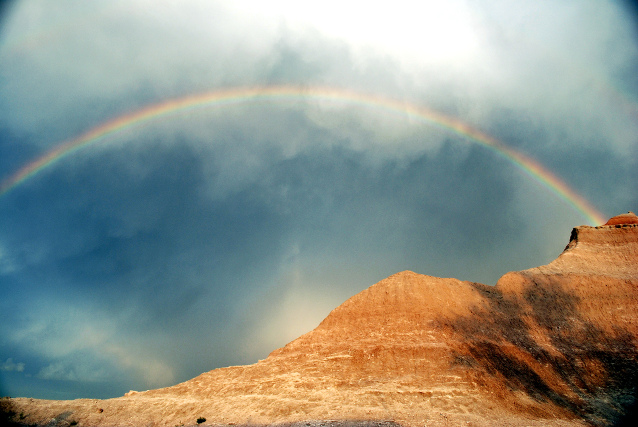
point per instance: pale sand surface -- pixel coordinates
(185, 414)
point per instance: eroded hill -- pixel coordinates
(552, 345)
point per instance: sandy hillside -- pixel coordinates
(553, 345)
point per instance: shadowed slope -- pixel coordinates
(566, 333)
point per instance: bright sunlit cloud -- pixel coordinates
(424, 31)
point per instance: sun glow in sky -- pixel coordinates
(429, 31)
(144, 241)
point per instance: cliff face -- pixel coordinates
(552, 345)
(567, 333)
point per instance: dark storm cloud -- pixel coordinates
(209, 238)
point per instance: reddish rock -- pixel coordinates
(628, 218)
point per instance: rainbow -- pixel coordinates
(220, 98)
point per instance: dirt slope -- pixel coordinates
(553, 345)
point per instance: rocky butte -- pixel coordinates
(555, 345)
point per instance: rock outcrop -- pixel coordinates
(552, 345)
(623, 219)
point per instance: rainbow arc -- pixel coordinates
(527, 165)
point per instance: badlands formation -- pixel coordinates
(555, 345)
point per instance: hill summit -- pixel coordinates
(552, 345)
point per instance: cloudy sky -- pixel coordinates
(173, 244)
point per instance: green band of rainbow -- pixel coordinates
(528, 166)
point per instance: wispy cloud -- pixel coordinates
(83, 346)
(10, 366)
